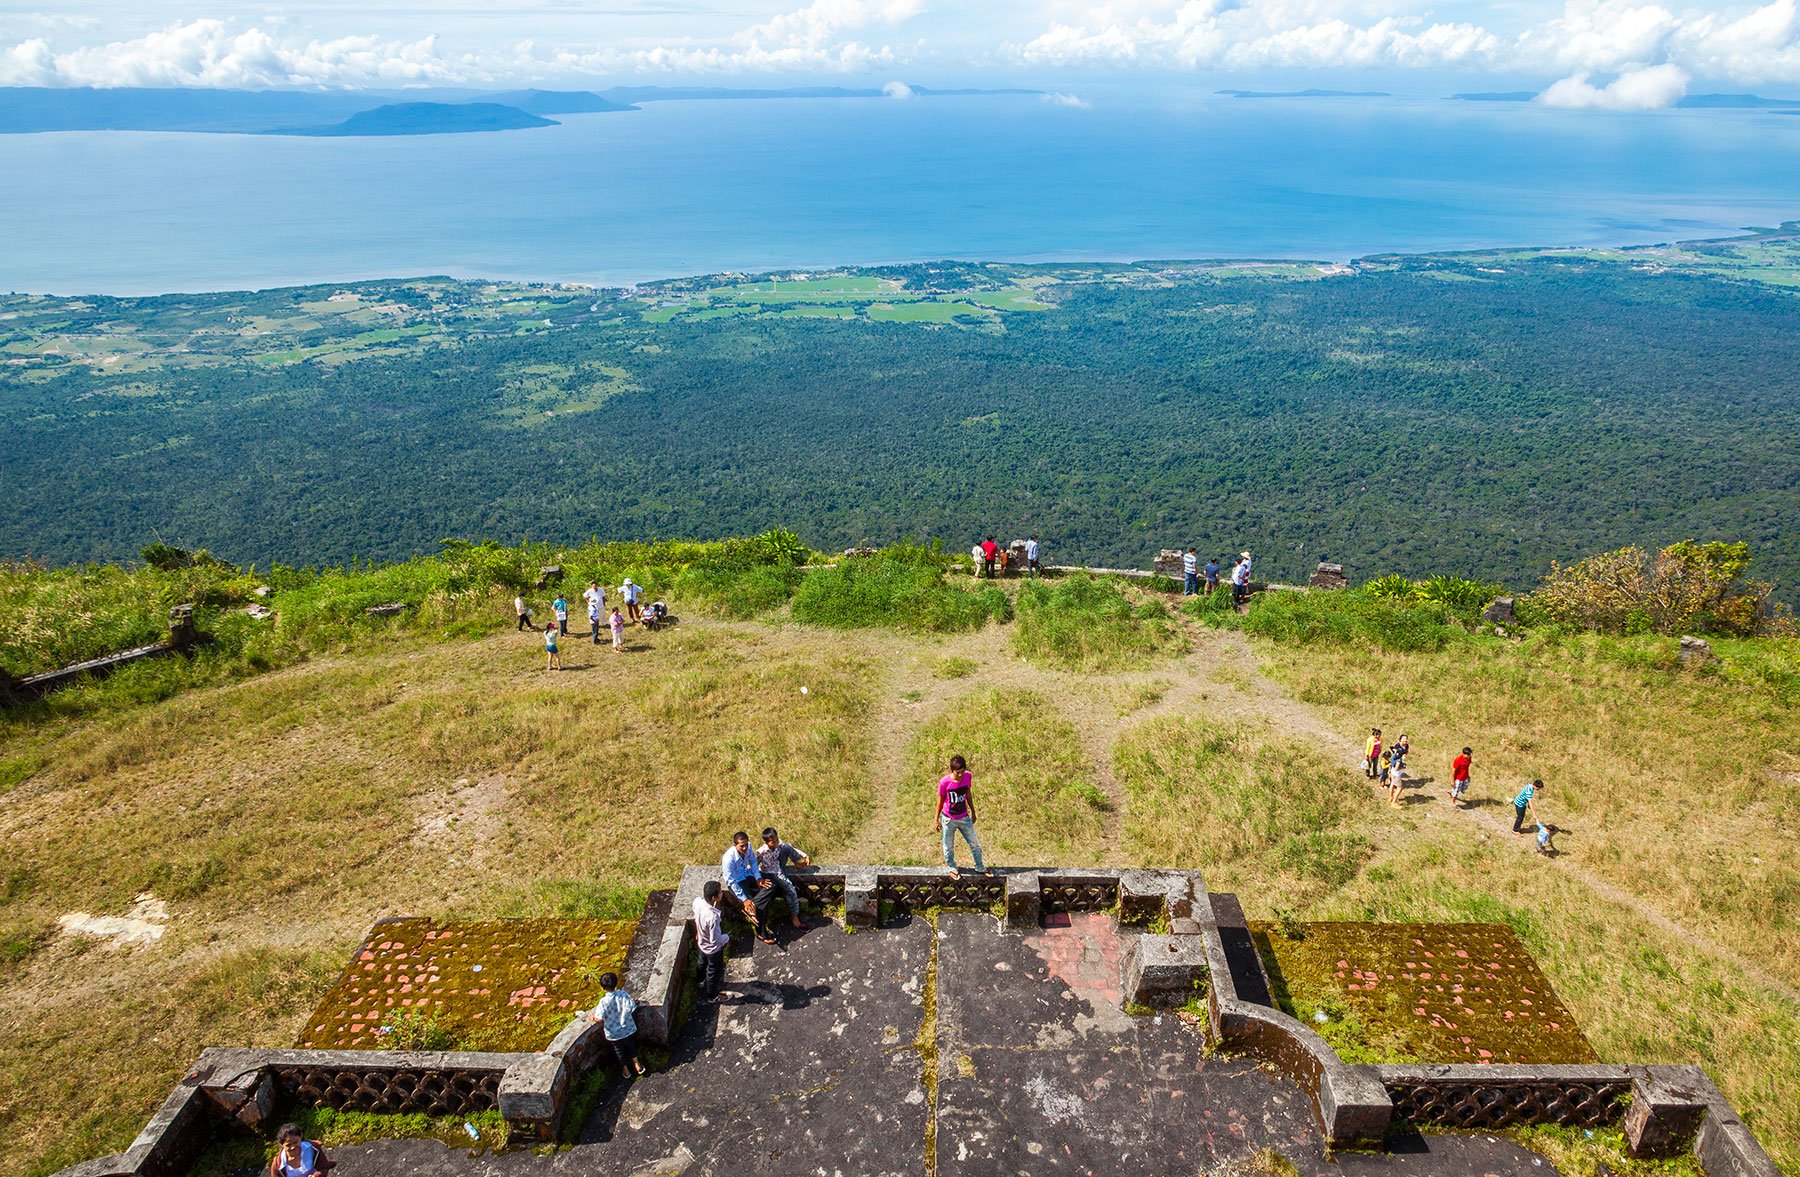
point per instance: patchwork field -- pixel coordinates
(407, 772)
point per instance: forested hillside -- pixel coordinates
(1480, 415)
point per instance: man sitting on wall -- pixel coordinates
(744, 877)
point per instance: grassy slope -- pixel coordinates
(281, 815)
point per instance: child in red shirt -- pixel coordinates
(1459, 778)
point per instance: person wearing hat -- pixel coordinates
(632, 593)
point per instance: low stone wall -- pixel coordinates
(1507, 1095)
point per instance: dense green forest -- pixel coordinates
(1475, 414)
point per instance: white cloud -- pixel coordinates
(1651, 88)
(899, 90)
(1074, 102)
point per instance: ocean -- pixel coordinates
(703, 186)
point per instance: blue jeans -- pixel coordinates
(1190, 586)
(965, 826)
(786, 886)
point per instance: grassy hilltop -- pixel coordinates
(305, 775)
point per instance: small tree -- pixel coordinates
(1687, 587)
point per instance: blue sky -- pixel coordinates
(1618, 54)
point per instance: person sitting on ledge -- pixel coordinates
(774, 857)
(745, 878)
(296, 1156)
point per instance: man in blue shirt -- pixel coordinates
(1212, 575)
(744, 878)
(1526, 803)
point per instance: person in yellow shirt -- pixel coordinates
(1372, 755)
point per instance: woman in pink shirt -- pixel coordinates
(956, 814)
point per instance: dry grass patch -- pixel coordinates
(1035, 796)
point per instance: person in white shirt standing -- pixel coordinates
(709, 937)
(595, 596)
(1190, 574)
(631, 593)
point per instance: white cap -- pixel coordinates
(628, 580)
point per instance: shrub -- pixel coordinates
(1685, 588)
(1353, 617)
(895, 588)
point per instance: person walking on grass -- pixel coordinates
(524, 612)
(990, 551)
(709, 938)
(615, 1015)
(1372, 755)
(975, 558)
(1032, 567)
(594, 619)
(1525, 805)
(617, 622)
(1190, 574)
(1459, 777)
(554, 659)
(595, 596)
(560, 607)
(956, 815)
(774, 857)
(743, 875)
(632, 594)
(1396, 780)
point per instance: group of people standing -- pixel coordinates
(1385, 763)
(1196, 578)
(991, 559)
(630, 610)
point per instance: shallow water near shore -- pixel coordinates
(693, 187)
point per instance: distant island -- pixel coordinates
(1691, 102)
(36, 109)
(426, 118)
(1304, 93)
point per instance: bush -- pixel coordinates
(1085, 623)
(1466, 598)
(1357, 617)
(1686, 588)
(895, 588)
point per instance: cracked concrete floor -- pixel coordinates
(815, 1063)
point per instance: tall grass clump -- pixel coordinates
(1086, 623)
(903, 588)
(1353, 617)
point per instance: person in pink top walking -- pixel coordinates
(618, 629)
(956, 815)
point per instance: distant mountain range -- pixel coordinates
(28, 109)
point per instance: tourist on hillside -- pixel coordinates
(296, 1156)
(1240, 581)
(1401, 747)
(1459, 777)
(975, 559)
(1372, 755)
(743, 875)
(1545, 832)
(632, 594)
(524, 612)
(1032, 567)
(1396, 780)
(617, 622)
(1190, 574)
(773, 857)
(1212, 576)
(1525, 804)
(990, 551)
(560, 607)
(709, 938)
(615, 1015)
(956, 815)
(593, 605)
(595, 596)
(554, 658)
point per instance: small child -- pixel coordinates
(614, 1013)
(1386, 769)
(1459, 777)
(594, 618)
(1544, 833)
(560, 607)
(618, 629)
(555, 659)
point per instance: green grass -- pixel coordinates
(896, 588)
(1348, 617)
(1085, 623)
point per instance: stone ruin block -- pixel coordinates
(862, 899)
(1695, 651)
(1328, 576)
(1024, 900)
(182, 631)
(393, 609)
(1163, 970)
(1168, 563)
(1665, 1113)
(1144, 895)
(549, 574)
(1500, 612)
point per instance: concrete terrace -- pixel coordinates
(948, 1046)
